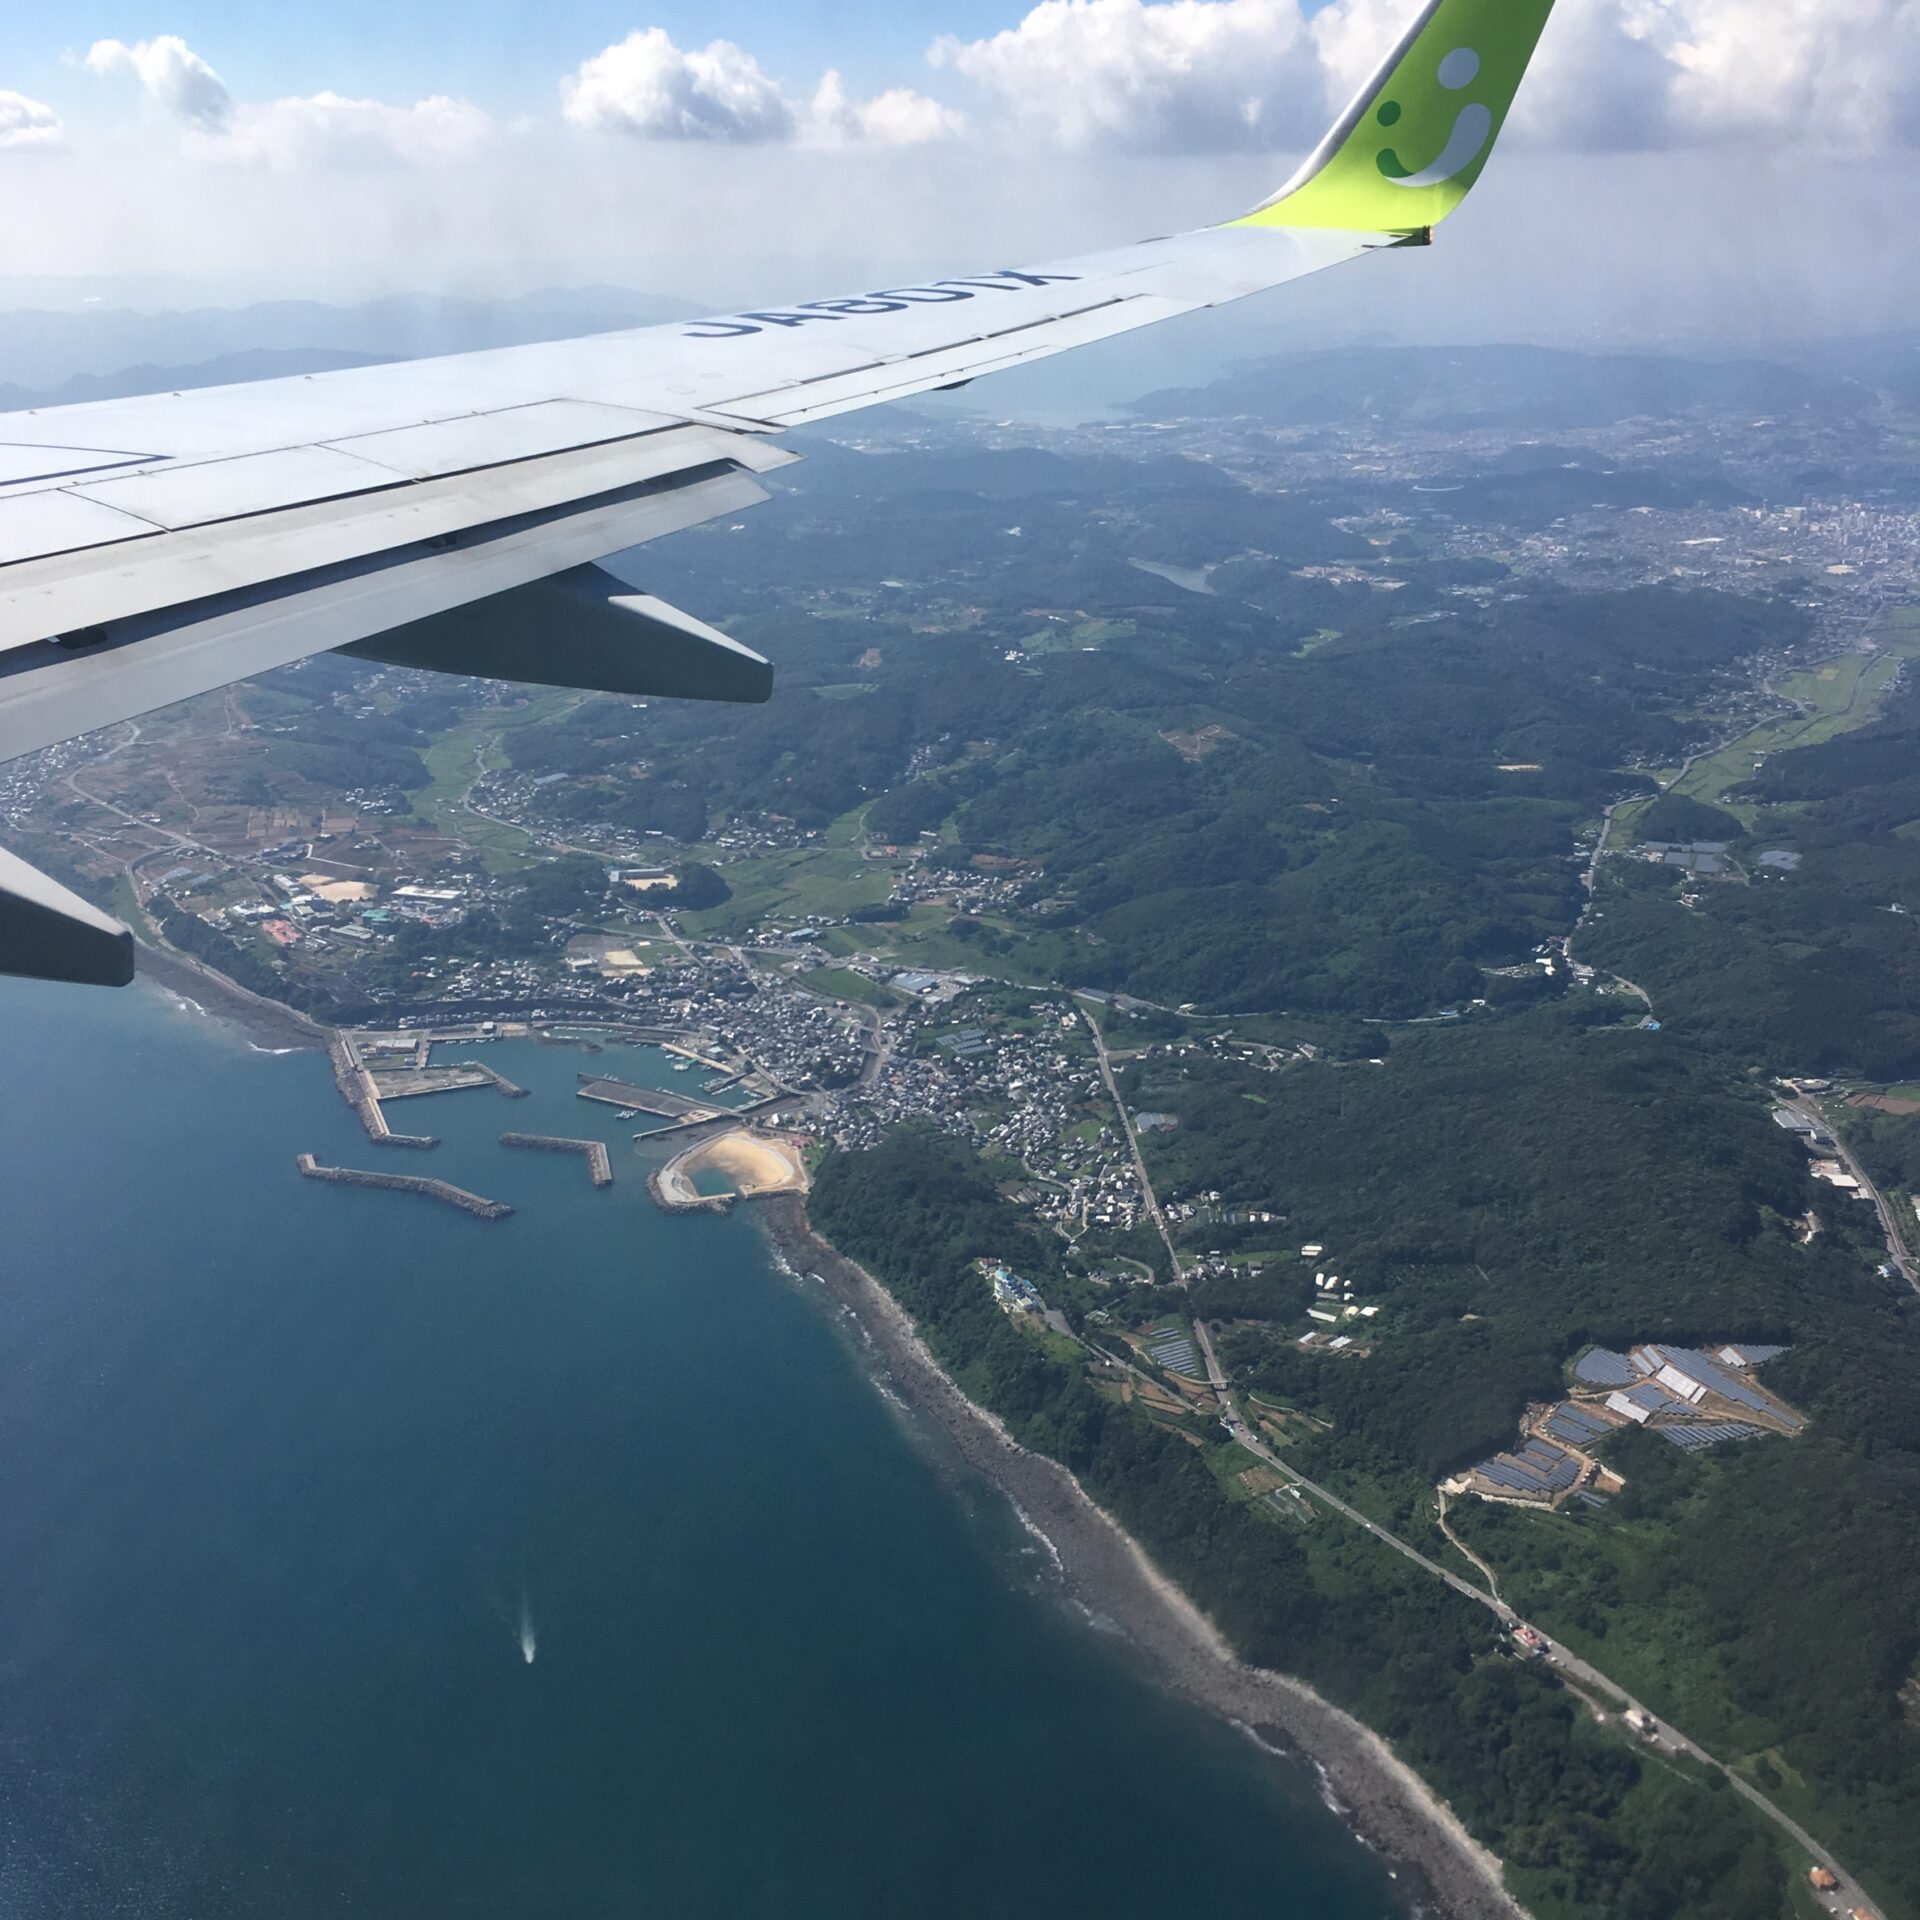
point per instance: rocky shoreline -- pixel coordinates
(1446, 1870)
(1386, 1802)
(265, 1021)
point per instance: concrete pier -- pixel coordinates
(594, 1152)
(409, 1083)
(669, 1106)
(358, 1088)
(441, 1190)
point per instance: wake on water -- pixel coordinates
(529, 1646)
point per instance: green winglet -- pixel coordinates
(1409, 149)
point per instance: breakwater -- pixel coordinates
(501, 1084)
(357, 1089)
(673, 1194)
(594, 1152)
(441, 1190)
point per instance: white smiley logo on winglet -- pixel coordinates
(1471, 130)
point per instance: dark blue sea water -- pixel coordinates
(286, 1471)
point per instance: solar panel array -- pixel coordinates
(1716, 1379)
(1651, 1397)
(1577, 1425)
(1170, 1348)
(1754, 1356)
(1698, 1435)
(1539, 1468)
(1603, 1368)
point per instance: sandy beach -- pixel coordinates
(753, 1164)
(1387, 1803)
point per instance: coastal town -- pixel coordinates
(803, 988)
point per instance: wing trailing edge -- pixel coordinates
(48, 932)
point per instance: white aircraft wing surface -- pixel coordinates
(446, 513)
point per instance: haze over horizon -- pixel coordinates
(1676, 167)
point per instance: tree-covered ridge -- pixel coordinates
(1587, 1828)
(1812, 971)
(1513, 1192)
(1343, 780)
(1510, 1190)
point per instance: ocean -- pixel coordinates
(359, 1557)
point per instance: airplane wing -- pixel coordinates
(447, 513)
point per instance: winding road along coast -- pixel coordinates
(1109, 1576)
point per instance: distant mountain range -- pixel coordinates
(1459, 389)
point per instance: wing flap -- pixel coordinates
(43, 523)
(49, 694)
(48, 933)
(74, 592)
(439, 447)
(583, 628)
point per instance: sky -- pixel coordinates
(1685, 168)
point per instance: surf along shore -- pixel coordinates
(1104, 1569)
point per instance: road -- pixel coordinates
(1661, 1734)
(1133, 1139)
(1899, 1249)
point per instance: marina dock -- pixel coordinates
(441, 1190)
(666, 1106)
(594, 1152)
(409, 1083)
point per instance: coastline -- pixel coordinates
(1388, 1804)
(263, 1020)
(1443, 1868)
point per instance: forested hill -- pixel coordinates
(1589, 1830)
(1344, 779)
(1813, 969)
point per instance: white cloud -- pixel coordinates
(1833, 72)
(172, 74)
(314, 130)
(1219, 75)
(648, 87)
(27, 123)
(1186, 75)
(897, 118)
(326, 130)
